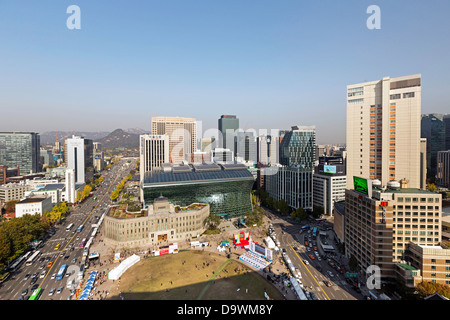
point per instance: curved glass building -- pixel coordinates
(226, 188)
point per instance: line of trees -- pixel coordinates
(281, 206)
(16, 234)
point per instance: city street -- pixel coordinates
(313, 271)
(62, 246)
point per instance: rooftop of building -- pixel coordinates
(406, 266)
(405, 190)
(198, 172)
(122, 211)
(31, 200)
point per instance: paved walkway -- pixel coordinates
(205, 288)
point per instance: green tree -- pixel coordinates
(317, 211)
(282, 206)
(299, 213)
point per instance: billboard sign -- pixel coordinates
(360, 185)
(329, 169)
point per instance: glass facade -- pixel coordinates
(20, 149)
(227, 191)
(298, 148)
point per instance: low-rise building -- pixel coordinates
(12, 191)
(159, 224)
(33, 205)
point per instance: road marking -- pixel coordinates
(301, 260)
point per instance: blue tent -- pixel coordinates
(88, 287)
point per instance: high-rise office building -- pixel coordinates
(383, 130)
(382, 223)
(80, 158)
(246, 147)
(228, 126)
(154, 150)
(298, 147)
(182, 133)
(292, 179)
(433, 129)
(20, 149)
(268, 149)
(329, 183)
(443, 168)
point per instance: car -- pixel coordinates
(27, 276)
(49, 264)
(42, 266)
(42, 274)
(66, 257)
(60, 289)
(47, 258)
(34, 287)
(315, 248)
(24, 292)
(305, 261)
(330, 273)
(52, 291)
(311, 256)
(56, 247)
(53, 276)
(41, 259)
(34, 275)
(74, 260)
(327, 283)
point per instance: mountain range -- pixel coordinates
(128, 138)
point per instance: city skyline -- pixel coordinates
(272, 65)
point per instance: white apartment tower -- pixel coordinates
(383, 130)
(80, 158)
(182, 133)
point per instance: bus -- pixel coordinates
(4, 274)
(80, 228)
(70, 226)
(305, 227)
(314, 232)
(61, 272)
(18, 262)
(33, 258)
(36, 294)
(82, 243)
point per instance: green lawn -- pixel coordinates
(192, 275)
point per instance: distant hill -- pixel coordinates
(49, 137)
(119, 139)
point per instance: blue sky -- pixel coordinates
(272, 63)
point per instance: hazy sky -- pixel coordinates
(273, 63)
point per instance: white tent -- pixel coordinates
(117, 272)
(269, 242)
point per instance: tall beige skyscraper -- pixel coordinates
(182, 134)
(383, 130)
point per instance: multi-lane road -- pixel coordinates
(317, 275)
(62, 246)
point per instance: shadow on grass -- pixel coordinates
(192, 275)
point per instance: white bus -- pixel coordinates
(33, 258)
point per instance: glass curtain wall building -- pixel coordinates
(293, 180)
(20, 149)
(226, 188)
